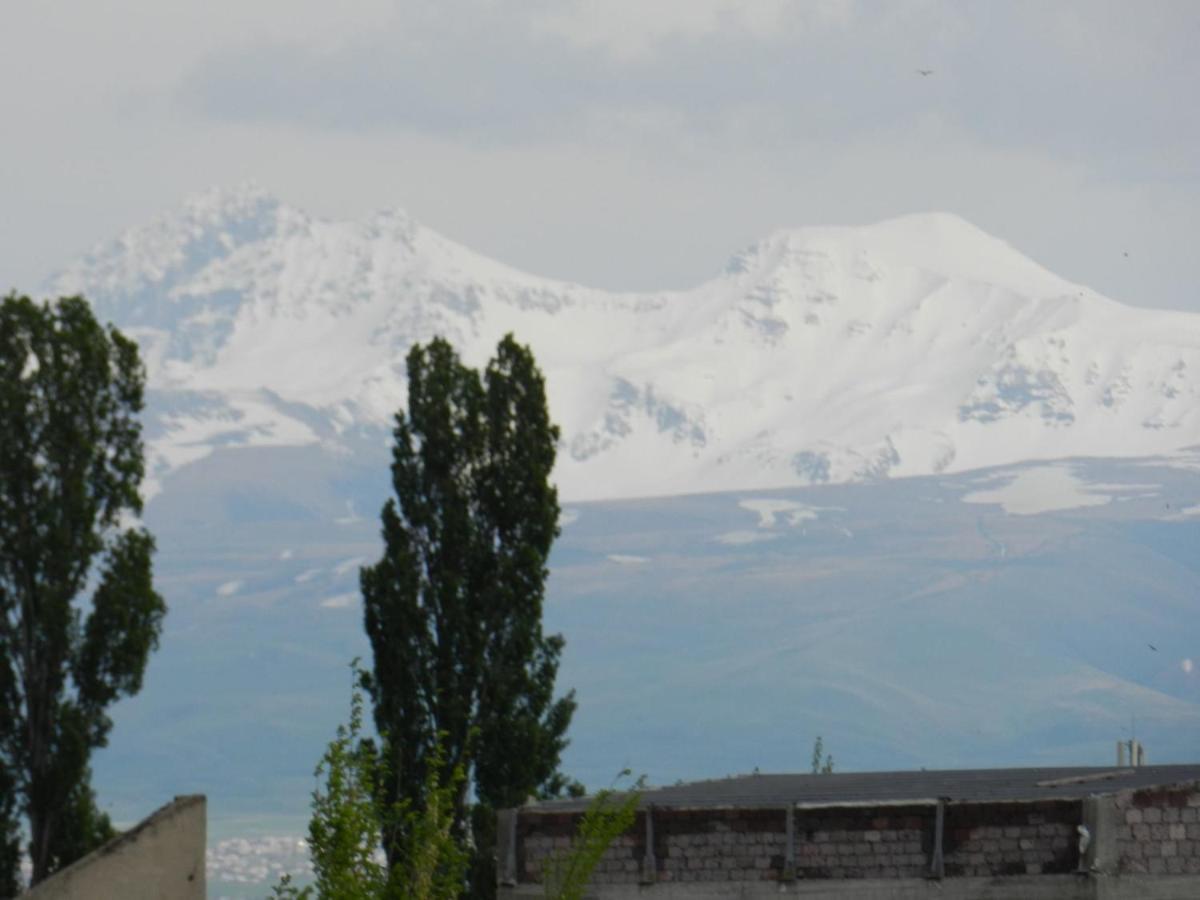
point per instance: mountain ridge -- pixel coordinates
(917, 345)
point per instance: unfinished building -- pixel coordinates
(987, 833)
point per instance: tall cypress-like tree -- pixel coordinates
(70, 468)
(453, 609)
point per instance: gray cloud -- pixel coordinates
(1106, 88)
(621, 143)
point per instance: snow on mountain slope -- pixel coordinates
(914, 346)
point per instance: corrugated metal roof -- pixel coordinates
(891, 788)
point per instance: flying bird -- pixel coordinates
(1152, 647)
(924, 72)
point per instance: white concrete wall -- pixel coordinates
(162, 858)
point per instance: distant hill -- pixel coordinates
(1033, 614)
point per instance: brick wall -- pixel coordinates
(1158, 831)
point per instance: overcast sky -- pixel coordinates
(618, 143)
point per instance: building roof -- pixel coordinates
(898, 788)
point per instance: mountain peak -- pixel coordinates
(946, 242)
(146, 261)
(939, 243)
(918, 344)
(246, 200)
(393, 222)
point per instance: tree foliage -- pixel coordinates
(609, 815)
(70, 469)
(345, 832)
(822, 762)
(453, 609)
(10, 836)
(348, 823)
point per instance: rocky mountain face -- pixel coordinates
(915, 346)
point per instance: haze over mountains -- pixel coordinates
(915, 346)
(1032, 612)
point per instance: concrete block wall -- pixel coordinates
(1004, 839)
(708, 846)
(619, 865)
(885, 842)
(1157, 832)
(720, 845)
(1144, 844)
(750, 845)
(541, 839)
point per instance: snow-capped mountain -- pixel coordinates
(913, 346)
(1011, 616)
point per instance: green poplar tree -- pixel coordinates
(70, 468)
(453, 609)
